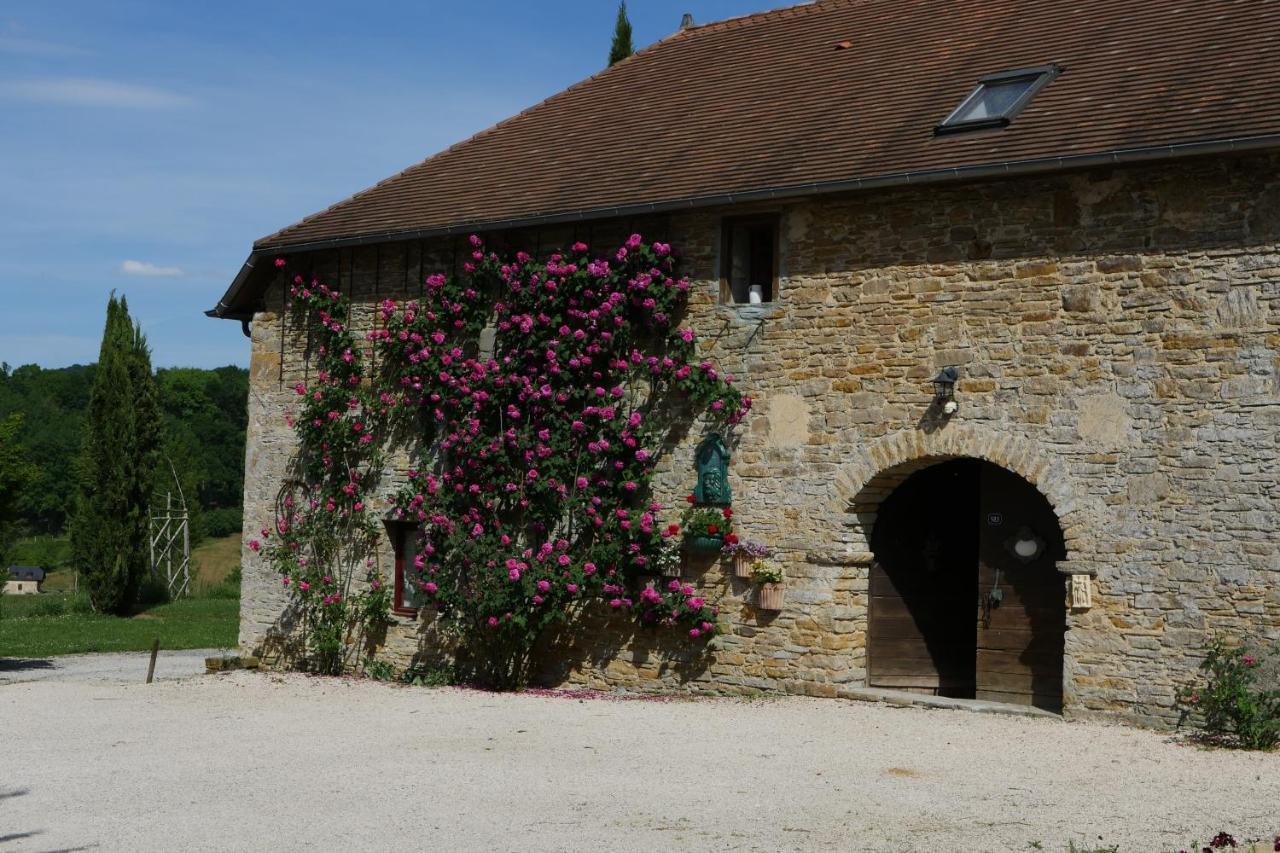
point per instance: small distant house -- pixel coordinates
(24, 580)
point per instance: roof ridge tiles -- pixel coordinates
(764, 15)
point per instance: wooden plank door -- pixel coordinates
(1021, 599)
(922, 584)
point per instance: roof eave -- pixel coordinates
(228, 307)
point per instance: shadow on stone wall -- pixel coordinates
(613, 650)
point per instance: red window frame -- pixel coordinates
(400, 534)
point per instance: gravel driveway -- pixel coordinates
(121, 667)
(249, 761)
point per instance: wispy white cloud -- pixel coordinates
(149, 270)
(91, 92)
(37, 47)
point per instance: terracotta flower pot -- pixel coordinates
(771, 596)
(742, 564)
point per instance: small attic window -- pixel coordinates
(749, 260)
(998, 98)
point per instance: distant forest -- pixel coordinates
(204, 433)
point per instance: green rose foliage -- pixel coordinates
(1235, 701)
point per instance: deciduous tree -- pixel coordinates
(16, 474)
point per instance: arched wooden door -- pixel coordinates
(965, 599)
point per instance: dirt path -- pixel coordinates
(250, 761)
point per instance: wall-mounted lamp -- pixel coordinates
(944, 390)
(1026, 545)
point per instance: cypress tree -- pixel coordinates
(109, 533)
(621, 47)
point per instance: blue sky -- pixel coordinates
(145, 145)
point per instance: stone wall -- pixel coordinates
(1118, 340)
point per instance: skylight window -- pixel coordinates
(998, 98)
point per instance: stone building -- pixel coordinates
(1077, 210)
(24, 580)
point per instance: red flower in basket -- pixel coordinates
(731, 539)
(728, 512)
(712, 530)
(673, 529)
(691, 499)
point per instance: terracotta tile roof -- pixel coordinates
(767, 102)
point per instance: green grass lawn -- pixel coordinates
(61, 623)
(52, 553)
(213, 560)
(30, 628)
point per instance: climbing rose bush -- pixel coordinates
(536, 455)
(1235, 701)
(534, 493)
(325, 532)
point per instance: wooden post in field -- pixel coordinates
(155, 650)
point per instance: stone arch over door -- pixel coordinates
(881, 466)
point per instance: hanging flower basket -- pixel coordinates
(771, 595)
(704, 544)
(744, 553)
(706, 527)
(768, 574)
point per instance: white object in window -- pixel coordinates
(749, 260)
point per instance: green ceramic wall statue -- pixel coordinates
(712, 461)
